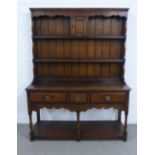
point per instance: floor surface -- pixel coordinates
(106, 147)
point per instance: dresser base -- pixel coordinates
(67, 130)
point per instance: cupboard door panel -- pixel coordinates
(79, 26)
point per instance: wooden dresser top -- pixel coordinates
(78, 45)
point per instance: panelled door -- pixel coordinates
(79, 26)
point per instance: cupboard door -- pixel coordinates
(79, 26)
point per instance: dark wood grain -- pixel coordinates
(78, 64)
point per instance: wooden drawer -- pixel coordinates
(78, 98)
(108, 97)
(48, 97)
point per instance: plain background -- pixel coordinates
(24, 58)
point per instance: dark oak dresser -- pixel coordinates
(78, 64)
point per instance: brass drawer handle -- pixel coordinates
(77, 99)
(108, 98)
(47, 98)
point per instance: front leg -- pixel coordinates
(38, 115)
(31, 125)
(119, 116)
(78, 126)
(125, 127)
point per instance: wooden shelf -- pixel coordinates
(78, 60)
(88, 130)
(82, 37)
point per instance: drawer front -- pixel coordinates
(78, 98)
(48, 97)
(108, 97)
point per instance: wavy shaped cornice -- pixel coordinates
(59, 12)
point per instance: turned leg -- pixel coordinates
(38, 115)
(119, 116)
(30, 125)
(78, 125)
(125, 127)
